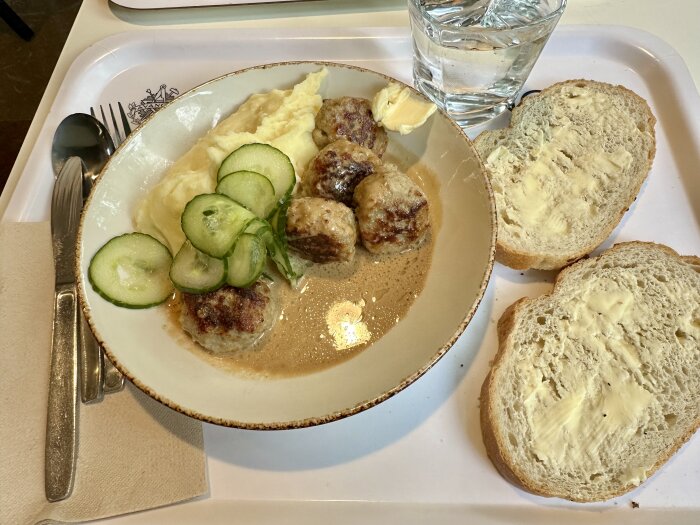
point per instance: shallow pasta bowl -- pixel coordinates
(141, 343)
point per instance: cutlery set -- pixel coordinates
(62, 417)
(81, 147)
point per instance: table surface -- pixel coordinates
(99, 18)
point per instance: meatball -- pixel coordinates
(338, 169)
(229, 318)
(321, 230)
(392, 212)
(349, 118)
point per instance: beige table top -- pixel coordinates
(677, 25)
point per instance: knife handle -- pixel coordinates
(91, 368)
(114, 380)
(62, 417)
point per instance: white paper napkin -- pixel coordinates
(133, 452)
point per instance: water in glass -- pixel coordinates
(472, 57)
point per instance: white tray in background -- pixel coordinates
(174, 4)
(417, 457)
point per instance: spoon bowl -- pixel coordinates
(82, 135)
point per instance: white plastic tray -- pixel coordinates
(170, 4)
(417, 457)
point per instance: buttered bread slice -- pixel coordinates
(566, 170)
(597, 384)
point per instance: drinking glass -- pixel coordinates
(472, 57)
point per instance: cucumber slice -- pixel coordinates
(266, 160)
(193, 271)
(292, 268)
(132, 271)
(212, 222)
(276, 243)
(247, 261)
(278, 222)
(249, 189)
(278, 254)
(259, 227)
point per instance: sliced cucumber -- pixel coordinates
(259, 227)
(247, 261)
(291, 268)
(276, 251)
(212, 223)
(194, 271)
(279, 256)
(278, 222)
(250, 189)
(132, 271)
(275, 239)
(266, 160)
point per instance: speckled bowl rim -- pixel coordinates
(334, 416)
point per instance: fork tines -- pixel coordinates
(125, 121)
(117, 136)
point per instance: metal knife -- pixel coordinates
(62, 417)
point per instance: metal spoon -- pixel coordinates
(83, 136)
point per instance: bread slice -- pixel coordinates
(566, 170)
(597, 384)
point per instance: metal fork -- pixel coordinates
(117, 136)
(112, 379)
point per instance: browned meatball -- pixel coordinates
(321, 230)
(338, 169)
(349, 118)
(229, 318)
(392, 212)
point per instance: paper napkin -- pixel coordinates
(133, 453)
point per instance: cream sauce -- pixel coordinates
(339, 309)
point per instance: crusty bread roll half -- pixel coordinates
(597, 384)
(565, 171)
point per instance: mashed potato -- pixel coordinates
(284, 119)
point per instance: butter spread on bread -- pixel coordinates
(598, 383)
(566, 169)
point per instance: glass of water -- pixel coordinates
(472, 57)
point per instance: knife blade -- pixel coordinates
(62, 415)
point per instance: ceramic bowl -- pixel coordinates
(141, 343)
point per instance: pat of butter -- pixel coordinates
(396, 108)
(635, 475)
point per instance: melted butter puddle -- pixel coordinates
(340, 309)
